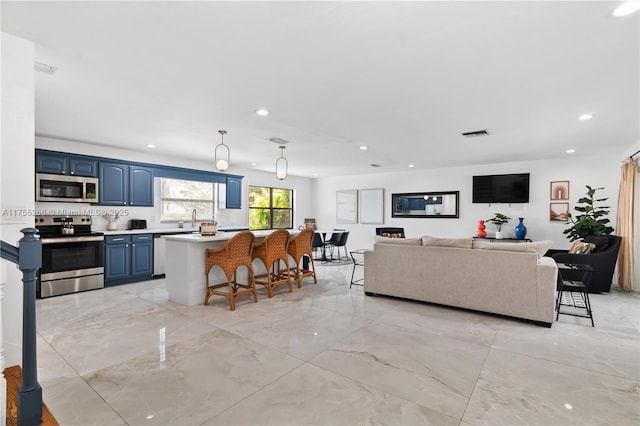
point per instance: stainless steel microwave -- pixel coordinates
(72, 189)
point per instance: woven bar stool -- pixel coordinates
(299, 246)
(235, 253)
(272, 251)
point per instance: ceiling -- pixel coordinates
(403, 78)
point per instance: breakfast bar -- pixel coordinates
(185, 263)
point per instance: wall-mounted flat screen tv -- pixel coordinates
(512, 188)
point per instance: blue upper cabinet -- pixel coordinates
(234, 193)
(80, 166)
(51, 163)
(140, 186)
(65, 164)
(125, 185)
(114, 184)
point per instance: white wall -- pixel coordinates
(17, 181)
(226, 217)
(580, 171)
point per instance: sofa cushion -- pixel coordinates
(537, 247)
(447, 242)
(402, 241)
(601, 242)
(581, 247)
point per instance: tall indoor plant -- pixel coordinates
(498, 220)
(592, 220)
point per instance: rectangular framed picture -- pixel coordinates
(558, 212)
(347, 206)
(560, 190)
(372, 206)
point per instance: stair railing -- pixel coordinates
(28, 257)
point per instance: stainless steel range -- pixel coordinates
(72, 255)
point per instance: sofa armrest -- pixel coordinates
(369, 273)
(552, 252)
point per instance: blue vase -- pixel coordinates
(521, 230)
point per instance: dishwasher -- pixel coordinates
(159, 254)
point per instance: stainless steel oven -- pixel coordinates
(73, 260)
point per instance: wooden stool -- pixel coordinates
(235, 253)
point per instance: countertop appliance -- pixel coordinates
(70, 189)
(137, 224)
(72, 261)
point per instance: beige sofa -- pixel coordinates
(511, 279)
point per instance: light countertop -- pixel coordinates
(186, 230)
(220, 236)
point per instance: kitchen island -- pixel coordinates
(185, 262)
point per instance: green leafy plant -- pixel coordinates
(498, 220)
(593, 218)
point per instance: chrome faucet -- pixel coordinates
(193, 218)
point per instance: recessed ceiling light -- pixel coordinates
(315, 174)
(411, 165)
(585, 117)
(571, 151)
(262, 111)
(254, 164)
(150, 145)
(626, 8)
(363, 147)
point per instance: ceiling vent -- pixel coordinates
(278, 141)
(476, 133)
(375, 165)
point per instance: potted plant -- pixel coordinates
(592, 221)
(498, 220)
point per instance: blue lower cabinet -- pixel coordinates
(142, 255)
(128, 258)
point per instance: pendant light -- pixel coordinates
(221, 159)
(282, 165)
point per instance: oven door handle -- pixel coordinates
(71, 240)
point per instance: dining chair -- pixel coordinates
(342, 242)
(234, 254)
(300, 246)
(272, 251)
(317, 242)
(333, 241)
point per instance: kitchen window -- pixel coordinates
(270, 208)
(178, 199)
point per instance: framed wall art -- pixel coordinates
(371, 206)
(560, 190)
(347, 206)
(558, 212)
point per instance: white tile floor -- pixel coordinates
(325, 354)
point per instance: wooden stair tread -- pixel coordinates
(13, 376)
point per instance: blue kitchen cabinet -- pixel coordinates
(65, 164)
(140, 186)
(122, 184)
(142, 255)
(117, 258)
(234, 193)
(114, 188)
(80, 166)
(128, 258)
